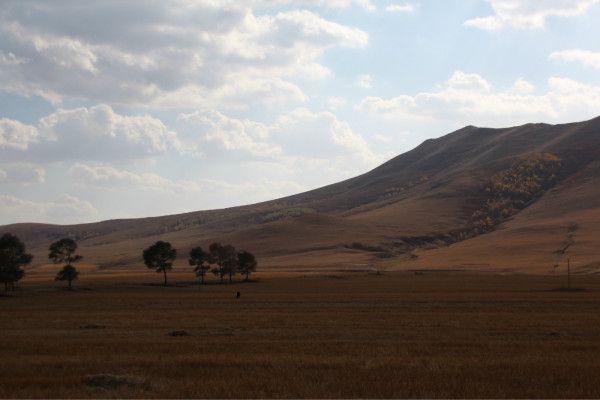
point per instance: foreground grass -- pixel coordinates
(354, 335)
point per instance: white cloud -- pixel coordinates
(364, 81)
(522, 86)
(585, 57)
(336, 102)
(169, 54)
(341, 4)
(464, 82)
(23, 174)
(236, 94)
(68, 209)
(403, 8)
(528, 14)
(94, 133)
(250, 192)
(99, 131)
(470, 99)
(382, 138)
(320, 135)
(16, 135)
(299, 133)
(109, 177)
(212, 133)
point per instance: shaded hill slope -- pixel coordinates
(438, 196)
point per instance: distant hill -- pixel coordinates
(518, 199)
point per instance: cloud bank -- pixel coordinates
(527, 14)
(166, 54)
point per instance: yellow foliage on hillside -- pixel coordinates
(513, 189)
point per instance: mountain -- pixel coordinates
(523, 198)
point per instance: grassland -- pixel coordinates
(303, 335)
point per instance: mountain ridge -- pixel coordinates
(429, 191)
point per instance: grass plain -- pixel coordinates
(303, 335)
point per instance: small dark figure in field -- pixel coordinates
(238, 295)
(12, 258)
(63, 251)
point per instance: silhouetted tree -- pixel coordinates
(225, 258)
(67, 273)
(63, 252)
(201, 260)
(230, 261)
(215, 250)
(160, 257)
(12, 258)
(246, 263)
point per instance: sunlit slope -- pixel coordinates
(416, 210)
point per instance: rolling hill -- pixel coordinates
(523, 199)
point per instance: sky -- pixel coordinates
(120, 109)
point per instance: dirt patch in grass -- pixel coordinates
(110, 381)
(92, 326)
(179, 333)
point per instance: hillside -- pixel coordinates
(521, 198)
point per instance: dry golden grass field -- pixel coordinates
(432, 334)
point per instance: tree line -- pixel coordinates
(222, 260)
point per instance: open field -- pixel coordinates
(436, 334)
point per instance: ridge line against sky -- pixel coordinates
(121, 109)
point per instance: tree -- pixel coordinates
(230, 261)
(63, 252)
(215, 250)
(67, 273)
(12, 258)
(246, 263)
(225, 258)
(201, 260)
(160, 257)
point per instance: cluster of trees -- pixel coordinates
(504, 195)
(515, 188)
(221, 260)
(13, 257)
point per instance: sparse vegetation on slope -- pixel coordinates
(286, 213)
(513, 189)
(504, 195)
